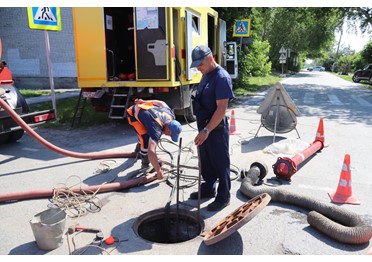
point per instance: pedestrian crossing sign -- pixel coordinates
(242, 28)
(44, 18)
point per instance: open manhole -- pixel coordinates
(168, 226)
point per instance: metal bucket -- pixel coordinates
(48, 227)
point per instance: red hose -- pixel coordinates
(33, 134)
(82, 190)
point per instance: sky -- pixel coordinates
(355, 41)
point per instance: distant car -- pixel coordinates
(319, 68)
(310, 69)
(363, 74)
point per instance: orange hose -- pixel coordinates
(82, 190)
(38, 138)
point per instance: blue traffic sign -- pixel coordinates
(44, 18)
(242, 28)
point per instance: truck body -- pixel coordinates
(10, 131)
(123, 53)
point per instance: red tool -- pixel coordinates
(75, 228)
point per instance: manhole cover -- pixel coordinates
(237, 219)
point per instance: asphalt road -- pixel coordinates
(277, 229)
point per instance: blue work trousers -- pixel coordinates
(215, 163)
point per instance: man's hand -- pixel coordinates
(139, 101)
(159, 174)
(200, 138)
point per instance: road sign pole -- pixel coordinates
(47, 50)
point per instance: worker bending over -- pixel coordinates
(150, 119)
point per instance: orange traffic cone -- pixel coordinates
(320, 132)
(232, 124)
(344, 194)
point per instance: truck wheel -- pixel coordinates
(189, 114)
(4, 138)
(15, 136)
(356, 78)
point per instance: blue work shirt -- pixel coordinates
(215, 85)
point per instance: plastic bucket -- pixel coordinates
(48, 227)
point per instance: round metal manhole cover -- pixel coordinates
(237, 219)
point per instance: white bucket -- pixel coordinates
(48, 227)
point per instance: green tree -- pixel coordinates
(366, 53)
(344, 64)
(257, 61)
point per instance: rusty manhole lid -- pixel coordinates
(237, 219)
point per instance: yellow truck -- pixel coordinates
(123, 53)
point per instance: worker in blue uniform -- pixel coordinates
(150, 119)
(209, 106)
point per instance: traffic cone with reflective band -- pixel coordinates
(320, 132)
(233, 130)
(344, 194)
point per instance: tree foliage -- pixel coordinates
(362, 14)
(257, 61)
(309, 32)
(366, 53)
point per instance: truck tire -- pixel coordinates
(4, 138)
(15, 136)
(189, 114)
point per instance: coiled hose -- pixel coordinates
(335, 222)
(38, 138)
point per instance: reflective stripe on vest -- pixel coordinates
(149, 106)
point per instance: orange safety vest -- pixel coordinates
(136, 123)
(148, 106)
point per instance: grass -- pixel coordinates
(27, 93)
(256, 83)
(349, 78)
(65, 112)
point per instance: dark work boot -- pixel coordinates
(217, 205)
(138, 148)
(145, 161)
(203, 195)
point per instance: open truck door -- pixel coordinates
(151, 43)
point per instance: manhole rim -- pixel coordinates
(173, 211)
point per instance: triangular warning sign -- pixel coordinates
(278, 96)
(282, 50)
(45, 14)
(241, 28)
(282, 57)
(278, 111)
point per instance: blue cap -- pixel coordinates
(175, 128)
(198, 54)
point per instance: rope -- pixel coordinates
(104, 166)
(76, 204)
